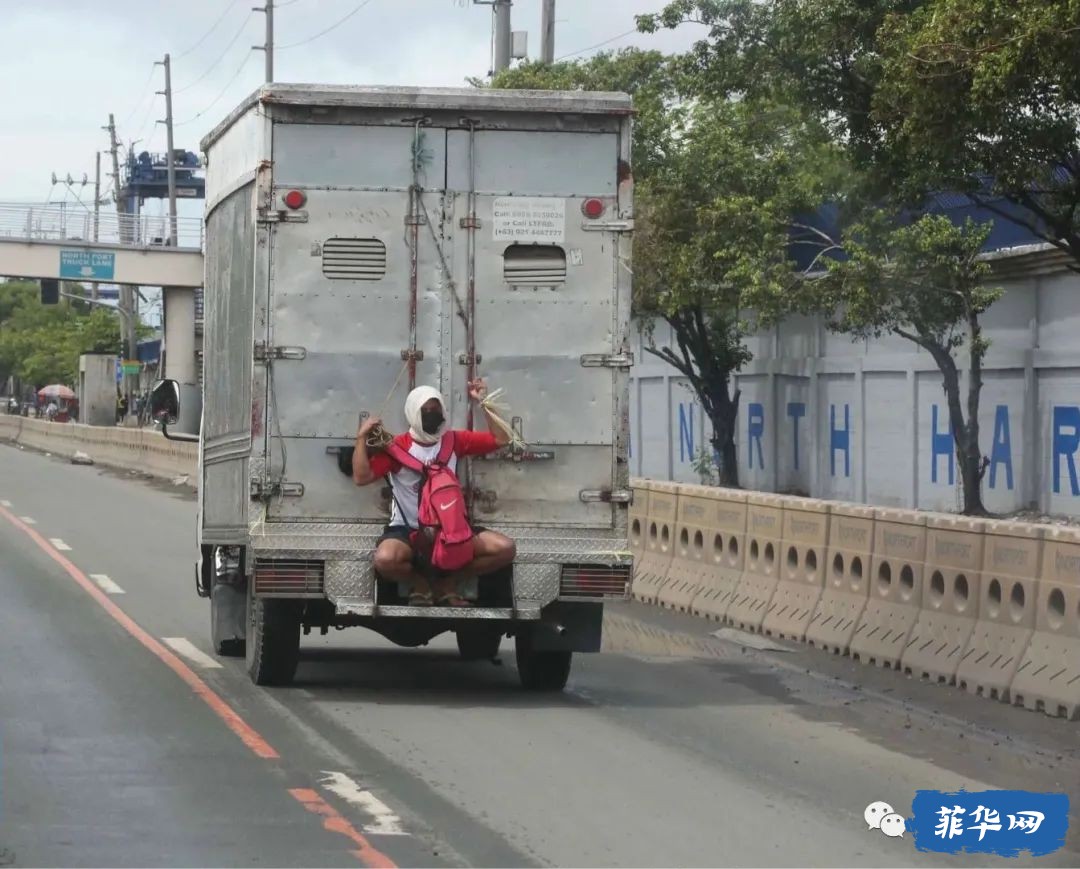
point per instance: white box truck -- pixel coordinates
(361, 241)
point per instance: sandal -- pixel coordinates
(453, 599)
(421, 598)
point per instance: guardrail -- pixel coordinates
(75, 222)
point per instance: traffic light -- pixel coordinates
(50, 291)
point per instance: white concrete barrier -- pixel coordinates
(141, 450)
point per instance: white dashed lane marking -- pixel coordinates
(59, 544)
(28, 520)
(185, 647)
(5, 503)
(383, 820)
(106, 584)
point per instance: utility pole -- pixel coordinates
(547, 33)
(169, 158)
(97, 192)
(503, 36)
(268, 46)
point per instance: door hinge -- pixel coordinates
(470, 223)
(467, 359)
(265, 352)
(607, 496)
(412, 355)
(265, 489)
(608, 226)
(272, 215)
(607, 360)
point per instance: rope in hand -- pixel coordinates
(493, 407)
(379, 438)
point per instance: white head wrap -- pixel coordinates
(415, 401)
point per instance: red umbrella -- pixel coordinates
(56, 390)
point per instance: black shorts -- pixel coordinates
(403, 533)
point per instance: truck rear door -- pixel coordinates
(536, 261)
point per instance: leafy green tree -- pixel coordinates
(924, 282)
(717, 185)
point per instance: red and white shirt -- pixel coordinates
(405, 482)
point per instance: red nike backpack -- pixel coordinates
(444, 521)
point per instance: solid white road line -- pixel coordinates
(59, 544)
(384, 821)
(106, 584)
(184, 647)
(28, 520)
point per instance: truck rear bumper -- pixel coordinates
(333, 561)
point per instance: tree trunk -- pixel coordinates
(723, 418)
(965, 433)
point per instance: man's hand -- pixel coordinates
(368, 426)
(477, 389)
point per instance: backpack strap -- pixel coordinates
(404, 458)
(449, 444)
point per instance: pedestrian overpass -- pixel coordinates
(69, 242)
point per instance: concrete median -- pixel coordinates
(847, 587)
(802, 568)
(659, 542)
(764, 527)
(726, 555)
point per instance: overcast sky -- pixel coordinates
(68, 63)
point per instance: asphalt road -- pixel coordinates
(123, 742)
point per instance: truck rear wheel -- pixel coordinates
(541, 670)
(273, 640)
(479, 642)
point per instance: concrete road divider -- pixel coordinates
(143, 450)
(764, 526)
(1008, 591)
(847, 584)
(803, 541)
(638, 519)
(725, 555)
(896, 578)
(686, 575)
(1048, 678)
(659, 541)
(950, 595)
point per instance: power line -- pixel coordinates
(213, 27)
(328, 29)
(219, 58)
(598, 45)
(145, 90)
(217, 99)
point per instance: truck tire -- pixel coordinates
(541, 671)
(478, 643)
(273, 640)
(228, 605)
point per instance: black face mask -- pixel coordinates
(431, 421)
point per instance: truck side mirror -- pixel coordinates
(165, 402)
(50, 291)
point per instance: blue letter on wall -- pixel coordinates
(1065, 444)
(686, 432)
(795, 410)
(839, 439)
(1001, 452)
(756, 428)
(940, 445)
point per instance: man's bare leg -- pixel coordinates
(394, 560)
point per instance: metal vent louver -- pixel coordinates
(531, 266)
(354, 259)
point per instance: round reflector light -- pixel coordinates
(593, 208)
(295, 199)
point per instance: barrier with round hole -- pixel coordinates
(803, 540)
(950, 598)
(659, 542)
(764, 526)
(1008, 590)
(725, 547)
(686, 576)
(896, 578)
(638, 518)
(847, 578)
(1048, 678)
